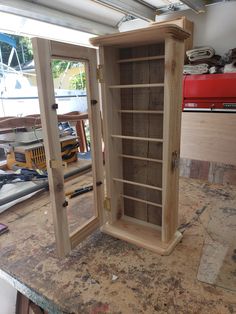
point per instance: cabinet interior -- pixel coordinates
(137, 98)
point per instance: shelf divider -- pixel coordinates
(142, 111)
(141, 59)
(137, 85)
(148, 139)
(140, 200)
(138, 184)
(141, 158)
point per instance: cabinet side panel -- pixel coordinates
(112, 125)
(174, 55)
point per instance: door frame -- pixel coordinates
(44, 51)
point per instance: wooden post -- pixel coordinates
(42, 57)
(172, 125)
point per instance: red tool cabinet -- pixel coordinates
(210, 92)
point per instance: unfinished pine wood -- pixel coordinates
(140, 200)
(137, 85)
(142, 111)
(140, 158)
(148, 35)
(186, 25)
(146, 236)
(154, 171)
(131, 125)
(95, 130)
(141, 59)
(88, 55)
(138, 184)
(113, 166)
(42, 57)
(136, 138)
(82, 232)
(172, 126)
(140, 84)
(209, 137)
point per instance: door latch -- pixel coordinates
(107, 204)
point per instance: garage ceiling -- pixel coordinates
(96, 16)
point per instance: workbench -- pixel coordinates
(106, 275)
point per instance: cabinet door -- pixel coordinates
(44, 52)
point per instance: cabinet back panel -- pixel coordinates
(144, 172)
(153, 98)
(142, 51)
(142, 125)
(140, 210)
(138, 149)
(145, 68)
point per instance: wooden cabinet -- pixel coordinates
(140, 73)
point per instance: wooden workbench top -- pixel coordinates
(105, 275)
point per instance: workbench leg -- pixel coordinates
(25, 306)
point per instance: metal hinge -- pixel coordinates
(55, 163)
(100, 73)
(107, 204)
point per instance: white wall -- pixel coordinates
(7, 298)
(216, 27)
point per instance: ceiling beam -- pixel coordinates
(130, 7)
(41, 13)
(197, 6)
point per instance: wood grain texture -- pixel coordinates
(113, 147)
(146, 83)
(141, 73)
(94, 114)
(138, 59)
(141, 234)
(89, 56)
(172, 125)
(155, 123)
(144, 36)
(81, 283)
(42, 57)
(209, 137)
(186, 25)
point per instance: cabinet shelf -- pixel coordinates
(141, 158)
(141, 59)
(136, 85)
(148, 139)
(142, 111)
(140, 200)
(137, 183)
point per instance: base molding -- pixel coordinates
(142, 235)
